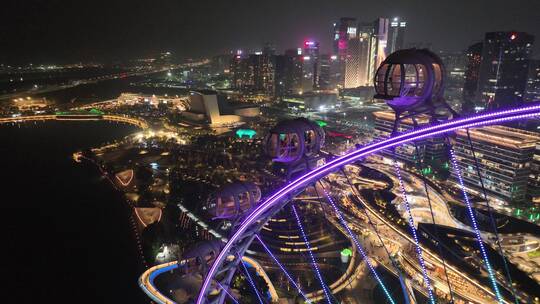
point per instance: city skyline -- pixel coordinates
(56, 31)
(215, 152)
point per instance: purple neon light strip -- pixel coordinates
(474, 121)
(312, 257)
(230, 295)
(414, 233)
(475, 226)
(282, 268)
(251, 282)
(358, 246)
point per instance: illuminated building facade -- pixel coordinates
(361, 47)
(352, 64)
(288, 73)
(342, 34)
(504, 159)
(533, 82)
(504, 68)
(329, 72)
(396, 35)
(534, 176)
(381, 26)
(472, 72)
(431, 150)
(253, 73)
(311, 64)
(367, 53)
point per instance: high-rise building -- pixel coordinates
(362, 47)
(311, 63)
(342, 32)
(220, 64)
(504, 159)
(253, 73)
(239, 70)
(345, 32)
(367, 53)
(288, 73)
(352, 63)
(455, 64)
(504, 68)
(396, 35)
(532, 92)
(381, 27)
(329, 72)
(472, 72)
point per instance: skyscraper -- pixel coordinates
(472, 71)
(352, 61)
(533, 82)
(367, 53)
(381, 26)
(311, 63)
(329, 72)
(253, 73)
(504, 68)
(342, 31)
(288, 73)
(396, 35)
(362, 47)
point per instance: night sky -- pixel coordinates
(58, 31)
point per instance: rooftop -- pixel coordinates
(504, 136)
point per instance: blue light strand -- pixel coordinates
(282, 268)
(414, 233)
(358, 246)
(251, 282)
(308, 246)
(225, 290)
(475, 226)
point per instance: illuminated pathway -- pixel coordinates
(146, 280)
(138, 122)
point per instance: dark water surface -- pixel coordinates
(65, 233)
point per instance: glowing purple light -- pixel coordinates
(251, 282)
(415, 235)
(230, 295)
(358, 246)
(430, 131)
(306, 241)
(282, 268)
(475, 226)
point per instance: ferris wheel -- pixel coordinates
(400, 233)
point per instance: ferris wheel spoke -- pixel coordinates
(436, 229)
(312, 257)
(251, 282)
(491, 218)
(227, 293)
(280, 265)
(414, 232)
(359, 247)
(472, 217)
(404, 288)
